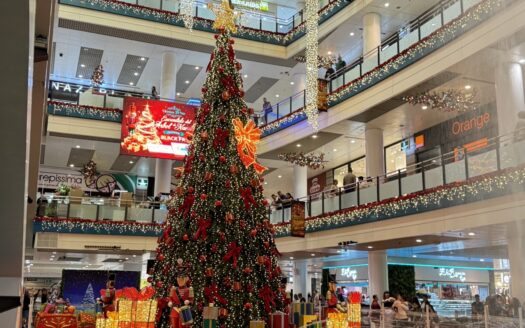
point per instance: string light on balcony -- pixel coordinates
(186, 11)
(312, 62)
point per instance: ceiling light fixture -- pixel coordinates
(329, 53)
(142, 58)
(265, 182)
(197, 67)
(352, 141)
(424, 107)
(335, 149)
(314, 136)
(471, 234)
(187, 82)
(370, 247)
(279, 176)
(292, 83)
(81, 76)
(131, 83)
(245, 75)
(82, 65)
(419, 241)
(352, 33)
(71, 165)
(387, 4)
(313, 254)
(414, 256)
(136, 73)
(298, 145)
(276, 96)
(178, 93)
(521, 61)
(482, 260)
(291, 257)
(134, 255)
(77, 146)
(130, 162)
(468, 87)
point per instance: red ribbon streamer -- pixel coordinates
(212, 292)
(220, 138)
(267, 295)
(234, 252)
(247, 197)
(204, 225)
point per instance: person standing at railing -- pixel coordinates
(349, 181)
(401, 309)
(154, 93)
(478, 308)
(267, 109)
(340, 63)
(329, 72)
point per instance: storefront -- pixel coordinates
(470, 131)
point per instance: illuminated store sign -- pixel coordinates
(452, 274)
(74, 88)
(258, 5)
(349, 273)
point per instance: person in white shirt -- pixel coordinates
(400, 308)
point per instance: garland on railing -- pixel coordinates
(68, 109)
(206, 24)
(451, 100)
(49, 224)
(459, 192)
(475, 14)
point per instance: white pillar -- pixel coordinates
(509, 96)
(371, 32)
(168, 81)
(300, 284)
(168, 90)
(377, 273)
(375, 153)
(163, 169)
(15, 135)
(300, 177)
(516, 252)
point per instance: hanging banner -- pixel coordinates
(155, 128)
(297, 219)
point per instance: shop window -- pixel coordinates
(395, 157)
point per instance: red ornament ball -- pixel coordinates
(204, 90)
(150, 279)
(222, 159)
(159, 284)
(202, 258)
(225, 95)
(248, 306)
(265, 202)
(253, 232)
(241, 93)
(161, 257)
(204, 136)
(238, 66)
(204, 196)
(185, 237)
(191, 190)
(218, 203)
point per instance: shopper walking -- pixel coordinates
(400, 309)
(478, 309)
(267, 109)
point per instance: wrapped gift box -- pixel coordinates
(336, 320)
(316, 324)
(256, 324)
(296, 318)
(279, 320)
(145, 311)
(305, 319)
(307, 308)
(296, 307)
(125, 313)
(44, 320)
(210, 323)
(87, 320)
(106, 323)
(210, 312)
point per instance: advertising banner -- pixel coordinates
(155, 128)
(297, 219)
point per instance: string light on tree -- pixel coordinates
(312, 62)
(97, 79)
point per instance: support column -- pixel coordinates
(168, 85)
(516, 252)
(509, 96)
(371, 32)
(300, 284)
(377, 273)
(375, 153)
(15, 136)
(300, 176)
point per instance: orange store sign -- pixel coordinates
(478, 122)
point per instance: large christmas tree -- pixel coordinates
(217, 225)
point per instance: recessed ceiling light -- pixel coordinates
(131, 83)
(280, 26)
(77, 146)
(178, 93)
(329, 53)
(419, 241)
(279, 176)
(291, 257)
(292, 83)
(352, 141)
(521, 61)
(414, 256)
(81, 76)
(54, 253)
(276, 96)
(120, 260)
(130, 162)
(468, 87)
(197, 67)
(127, 258)
(265, 182)
(298, 145)
(142, 58)
(370, 247)
(424, 107)
(245, 75)
(51, 260)
(352, 33)
(471, 233)
(314, 136)
(136, 73)
(313, 254)
(387, 4)
(335, 149)
(134, 255)
(482, 260)
(71, 165)
(82, 65)
(187, 82)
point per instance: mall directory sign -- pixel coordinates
(155, 128)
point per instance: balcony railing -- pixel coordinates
(255, 24)
(491, 155)
(427, 33)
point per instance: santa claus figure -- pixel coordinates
(181, 298)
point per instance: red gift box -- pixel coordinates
(279, 320)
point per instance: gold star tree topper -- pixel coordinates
(225, 16)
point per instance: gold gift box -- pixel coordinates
(146, 311)
(256, 324)
(125, 310)
(336, 320)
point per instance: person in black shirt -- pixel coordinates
(478, 307)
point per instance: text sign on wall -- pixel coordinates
(154, 128)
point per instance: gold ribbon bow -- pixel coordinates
(247, 137)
